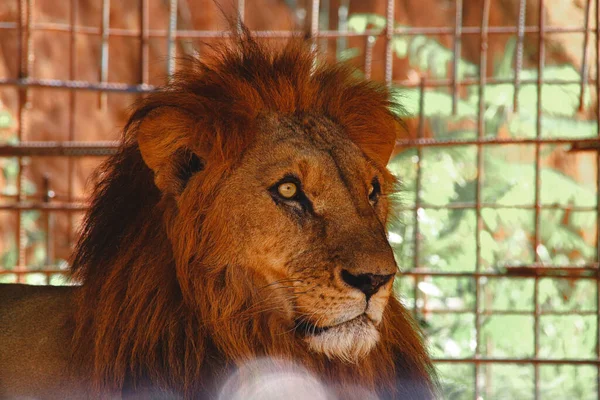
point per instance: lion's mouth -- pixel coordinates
(306, 328)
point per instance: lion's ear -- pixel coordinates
(163, 137)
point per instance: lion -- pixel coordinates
(243, 217)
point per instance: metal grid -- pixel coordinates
(23, 149)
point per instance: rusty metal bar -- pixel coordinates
(485, 16)
(27, 205)
(314, 22)
(519, 52)
(172, 35)
(456, 53)
(144, 45)
(104, 50)
(25, 49)
(72, 103)
(116, 87)
(598, 193)
(584, 61)
(77, 149)
(538, 177)
(534, 361)
(49, 222)
(389, 36)
(418, 184)
(44, 206)
(370, 43)
(68, 149)
(208, 34)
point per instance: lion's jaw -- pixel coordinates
(349, 341)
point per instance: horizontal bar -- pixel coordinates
(77, 85)
(278, 34)
(548, 361)
(467, 206)
(53, 206)
(589, 271)
(103, 148)
(429, 142)
(117, 87)
(81, 205)
(505, 312)
(63, 149)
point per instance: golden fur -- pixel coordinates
(190, 266)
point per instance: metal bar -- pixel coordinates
(241, 9)
(584, 61)
(69, 149)
(485, 15)
(427, 142)
(171, 37)
(25, 49)
(49, 222)
(370, 43)
(456, 54)
(282, 34)
(56, 206)
(538, 165)
(389, 36)
(76, 149)
(104, 50)
(598, 194)
(444, 311)
(26, 205)
(519, 53)
(314, 23)
(418, 184)
(534, 361)
(72, 103)
(144, 49)
(115, 87)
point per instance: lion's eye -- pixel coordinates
(287, 190)
(374, 191)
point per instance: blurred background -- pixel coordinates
(497, 240)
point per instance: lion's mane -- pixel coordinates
(152, 312)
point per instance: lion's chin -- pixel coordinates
(349, 342)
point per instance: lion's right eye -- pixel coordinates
(287, 189)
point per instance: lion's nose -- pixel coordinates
(369, 284)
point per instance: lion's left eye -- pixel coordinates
(374, 191)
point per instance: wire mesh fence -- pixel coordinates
(498, 235)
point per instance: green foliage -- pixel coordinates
(449, 178)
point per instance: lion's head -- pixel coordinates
(245, 216)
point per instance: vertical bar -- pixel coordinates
(241, 9)
(72, 102)
(104, 50)
(584, 61)
(598, 196)
(370, 43)
(48, 194)
(342, 41)
(389, 35)
(171, 36)
(485, 15)
(456, 53)
(519, 53)
(25, 49)
(144, 55)
(314, 23)
(537, 240)
(417, 234)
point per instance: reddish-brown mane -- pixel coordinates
(152, 310)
